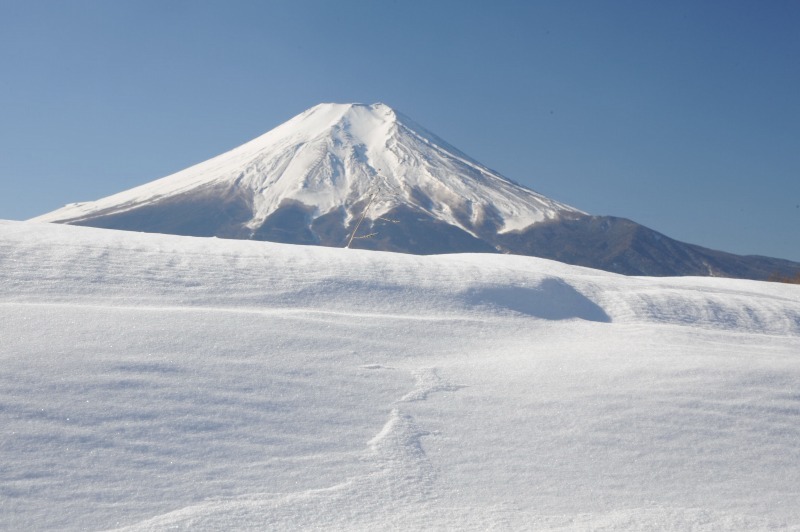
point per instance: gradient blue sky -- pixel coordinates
(683, 116)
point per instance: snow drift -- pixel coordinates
(153, 382)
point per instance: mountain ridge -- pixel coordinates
(329, 157)
(312, 179)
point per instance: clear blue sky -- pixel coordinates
(681, 115)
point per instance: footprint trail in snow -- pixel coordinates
(402, 475)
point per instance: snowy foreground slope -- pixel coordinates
(154, 382)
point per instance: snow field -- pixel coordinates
(155, 382)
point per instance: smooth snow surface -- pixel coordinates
(335, 155)
(154, 382)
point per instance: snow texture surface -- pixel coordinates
(154, 382)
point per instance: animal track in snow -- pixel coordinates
(401, 475)
(398, 451)
(428, 382)
(398, 446)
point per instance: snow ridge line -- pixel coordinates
(275, 311)
(398, 445)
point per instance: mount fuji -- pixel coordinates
(369, 177)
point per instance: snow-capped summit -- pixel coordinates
(327, 161)
(312, 179)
